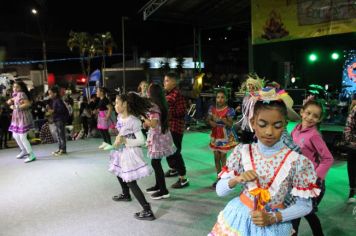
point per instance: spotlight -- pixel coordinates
(334, 56)
(313, 57)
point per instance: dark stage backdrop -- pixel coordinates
(270, 59)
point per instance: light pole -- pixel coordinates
(123, 18)
(44, 50)
(103, 65)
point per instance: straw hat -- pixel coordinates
(271, 94)
(291, 113)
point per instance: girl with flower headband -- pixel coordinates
(269, 172)
(252, 84)
(312, 145)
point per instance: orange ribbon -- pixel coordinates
(262, 195)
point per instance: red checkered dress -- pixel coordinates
(177, 111)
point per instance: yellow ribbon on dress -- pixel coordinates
(263, 196)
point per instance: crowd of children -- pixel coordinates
(271, 165)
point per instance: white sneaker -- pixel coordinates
(108, 147)
(103, 145)
(22, 154)
(30, 158)
(351, 200)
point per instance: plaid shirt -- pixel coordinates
(177, 110)
(288, 141)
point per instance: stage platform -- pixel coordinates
(71, 195)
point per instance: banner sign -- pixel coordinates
(282, 20)
(349, 76)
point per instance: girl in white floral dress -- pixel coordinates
(269, 172)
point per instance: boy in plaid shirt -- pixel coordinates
(177, 111)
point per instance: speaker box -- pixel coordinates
(331, 138)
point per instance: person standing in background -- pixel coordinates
(142, 88)
(104, 113)
(350, 140)
(60, 116)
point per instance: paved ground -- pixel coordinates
(71, 195)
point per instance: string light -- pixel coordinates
(52, 60)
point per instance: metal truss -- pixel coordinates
(151, 7)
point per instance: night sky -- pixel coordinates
(150, 38)
(58, 18)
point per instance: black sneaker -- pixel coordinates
(171, 173)
(160, 195)
(181, 183)
(145, 215)
(122, 198)
(213, 186)
(152, 189)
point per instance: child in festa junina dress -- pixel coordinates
(22, 120)
(268, 172)
(126, 161)
(222, 138)
(159, 139)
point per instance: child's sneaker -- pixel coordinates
(55, 152)
(181, 183)
(152, 189)
(122, 198)
(159, 195)
(145, 215)
(60, 153)
(351, 197)
(171, 173)
(108, 147)
(30, 158)
(213, 186)
(22, 154)
(102, 145)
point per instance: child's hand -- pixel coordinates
(262, 218)
(216, 118)
(117, 142)
(212, 123)
(238, 108)
(248, 176)
(146, 123)
(10, 101)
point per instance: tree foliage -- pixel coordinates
(89, 46)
